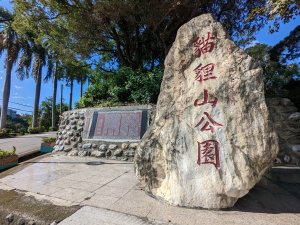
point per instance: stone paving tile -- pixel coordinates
(99, 179)
(43, 189)
(72, 194)
(178, 215)
(95, 216)
(86, 186)
(62, 183)
(100, 201)
(126, 181)
(78, 176)
(111, 191)
(135, 202)
(23, 185)
(5, 187)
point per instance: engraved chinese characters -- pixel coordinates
(208, 151)
(208, 146)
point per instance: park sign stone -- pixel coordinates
(211, 140)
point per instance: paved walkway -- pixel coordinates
(26, 144)
(109, 192)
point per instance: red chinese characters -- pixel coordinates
(207, 123)
(204, 73)
(202, 45)
(205, 100)
(208, 150)
(208, 153)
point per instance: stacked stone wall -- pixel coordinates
(286, 121)
(72, 132)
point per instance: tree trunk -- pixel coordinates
(61, 99)
(54, 102)
(37, 96)
(81, 87)
(6, 93)
(71, 95)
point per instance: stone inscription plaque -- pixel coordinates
(129, 125)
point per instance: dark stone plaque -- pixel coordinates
(130, 125)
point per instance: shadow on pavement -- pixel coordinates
(271, 196)
(92, 163)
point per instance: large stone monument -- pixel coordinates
(211, 140)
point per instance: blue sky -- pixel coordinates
(22, 92)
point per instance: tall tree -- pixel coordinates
(70, 82)
(53, 117)
(75, 71)
(288, 48)
(46, 112)
(139, 33)
(82, 79)
(38, 62)
(54, 68)
(10, 41)
(276, 74)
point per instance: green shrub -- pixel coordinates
(43, 129)
(5, 153)
(4, 133)
(123, 86)
(49, 139)
(22, 131)
(34, 130)
(52, 128)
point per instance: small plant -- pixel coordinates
(52, 128)
(5, 153)
(49, 139)
(4, 133)
(34, 130)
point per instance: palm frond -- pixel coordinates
(13, 52)
(35, 66)
(24, 65)
(5, 15)
(50, 69)
(2, 43)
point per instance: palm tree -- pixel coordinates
(55, 78)
(83, 75)
(70, 76)
(13, 44)
(53, 71)
(38, 61)
(82, 79)
(40, 56)
(77, 71)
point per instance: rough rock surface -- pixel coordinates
(286, 121)
(211, 140)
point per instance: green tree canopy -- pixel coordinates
(46, 113)
(125, 86)
(136, 33)
(276, 74)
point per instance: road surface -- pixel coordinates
(26, 144)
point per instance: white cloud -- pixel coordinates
(251, 44)
(18, 97)
(17, 87)
(21, 97)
